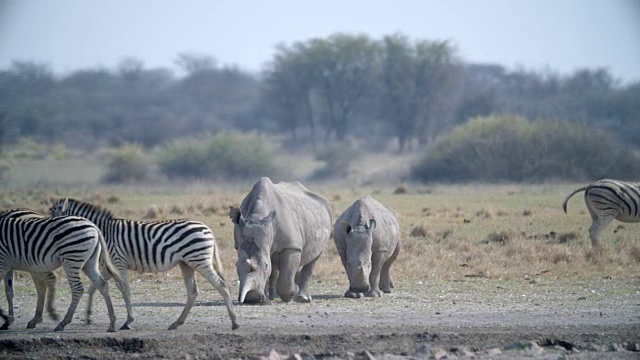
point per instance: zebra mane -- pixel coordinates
(85, 207)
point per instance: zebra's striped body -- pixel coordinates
(156, 246)
(609, 200)
(43, 245)
(45, 282)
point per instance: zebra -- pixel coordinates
(608, 200)
(45, 244)
(45, 281)
(156, 246)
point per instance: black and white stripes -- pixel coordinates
(608, 200)
(156, 246)
(45, 281)
(44, 244)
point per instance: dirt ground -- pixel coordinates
(474, 318)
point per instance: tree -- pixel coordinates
(287, 88)
(345, 67)
(417, 82)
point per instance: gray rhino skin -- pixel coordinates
(280, 231)
(367, 236)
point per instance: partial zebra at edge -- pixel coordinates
(609, 200)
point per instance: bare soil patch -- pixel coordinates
(473, 318)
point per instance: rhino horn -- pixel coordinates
(372, 224)
(248, 286)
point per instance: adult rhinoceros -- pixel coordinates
(280, 231)
(367, 236)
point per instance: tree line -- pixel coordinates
(389, 91)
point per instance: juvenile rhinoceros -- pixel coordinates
(280, 231)
(367, 236)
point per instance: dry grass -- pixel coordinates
(448, 232)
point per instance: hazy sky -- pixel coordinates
(562, 35)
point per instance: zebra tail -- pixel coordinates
(106, 258)
(566, 200)
(217, 263)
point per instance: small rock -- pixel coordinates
(633, 347)
(616, 347)
(441, 354)
(272, 355)
(494, 351)
(368, 355)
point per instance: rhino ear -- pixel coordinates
(235, 215)
(271, 216)
(346, 227)
(372, 224)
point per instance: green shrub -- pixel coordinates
(226, 155)
(126, 164)
(510, 148)
(337, 160)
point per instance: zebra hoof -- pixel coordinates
(59, 328)
(31, 325)
(5, 326)
(111, 330)
(174, 326)
(234, 326)
(125, 327)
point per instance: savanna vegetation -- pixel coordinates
(449, 233)
(329, 100)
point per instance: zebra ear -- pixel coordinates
(65, 205)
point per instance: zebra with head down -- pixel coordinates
(156, 246)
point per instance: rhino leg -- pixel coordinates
(386, 283)
(289, 265)
(377, 259)
(302, 280)
(353, 295)
(273, 280)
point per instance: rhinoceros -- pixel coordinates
(367, 236)
(280, 231)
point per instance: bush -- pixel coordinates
(127, 163)
(337, 161)
(510, 148)
(225, 155)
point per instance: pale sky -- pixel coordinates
(560, 35)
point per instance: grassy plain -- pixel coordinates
(474, 256)
(449, 232)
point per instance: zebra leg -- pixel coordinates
(92, 291)
(73, 278)
(87, 312)
(598, 223)
(223, 289)
(192, 293)
(126, 294)
(8, 288)
(91, 270)
(51, 295)
(40, 281)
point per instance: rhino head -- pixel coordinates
(359, 241)
(253, 237)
